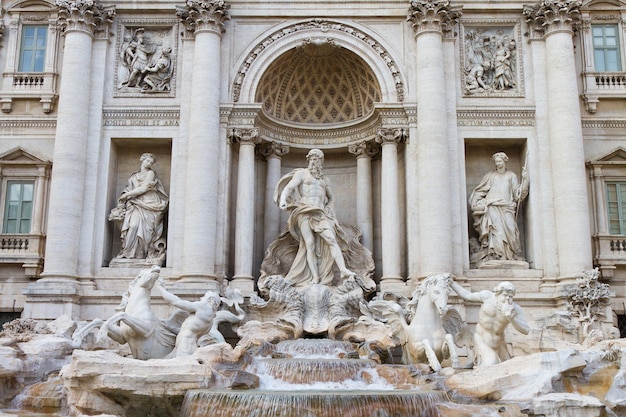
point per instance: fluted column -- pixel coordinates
(430, 19)
(244, 211)
(206, 20)
(273, 153)
(554, 19)
(364, 151)
(78, 19)
(390, 208)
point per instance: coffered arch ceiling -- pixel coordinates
(318, 84)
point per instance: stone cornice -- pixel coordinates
(433, 16)
(603, 124)
(549, 16)
(84, 16)
(200, 16)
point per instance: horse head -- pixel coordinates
(435, 287)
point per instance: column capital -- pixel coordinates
(364, 149)
(244, 136)
(204, 15)
(273, 150)
(433, 16)
(549, 16)
(84, 16)
(390, 135)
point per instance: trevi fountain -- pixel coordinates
(319, 339)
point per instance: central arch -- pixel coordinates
(377, 56)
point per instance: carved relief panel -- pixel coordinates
(145, 62)
(491, 59)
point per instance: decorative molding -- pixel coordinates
(322, 138)
(328, 27)
(198, 15)
(244, 136)
(549, 16)
(603, 124)
(84, 16)
(364, 149)
(273, 150)
(504, 37)
(519, 118)
(433, 16)
(133, 117)
(386, 135)
(7, 124)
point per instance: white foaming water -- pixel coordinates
(373, 382)
(314, 348)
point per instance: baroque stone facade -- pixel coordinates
(408, 100)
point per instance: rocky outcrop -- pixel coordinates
(101, 382)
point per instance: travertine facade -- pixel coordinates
(408, 100)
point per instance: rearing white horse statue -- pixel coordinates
(426, 335)
(147, 336)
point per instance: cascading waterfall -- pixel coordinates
(318, 378)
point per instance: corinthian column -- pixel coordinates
(206, 20)
(273, 153)
(364, 152)
(244, 213)
(390, 209)
(431, 170)
(553, 20)
(79, 20)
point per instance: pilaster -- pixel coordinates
(556, 21)
(79, 20)
(205, 19)
(431, 20)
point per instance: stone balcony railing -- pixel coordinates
(24, 249)
(599, 85)
(41, 85)
(610, 251)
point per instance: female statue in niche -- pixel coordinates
(141, 208)
(494, 205)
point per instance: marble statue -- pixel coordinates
(496, 312)
(494, 204)
(156, 77)
(141, 208)
(316, 274)
(136, 324)
(588, 301)
(204, 317)
(306, 194)
(427, 327)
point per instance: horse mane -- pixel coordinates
(422, 289)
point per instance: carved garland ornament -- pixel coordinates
(324, 26)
